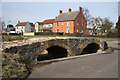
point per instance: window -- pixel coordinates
(49, 25)
(67, 30)
(77, 24)
(62, 23)
(77, 30)
(57, 30)
(57, 24)
(81, 31)
(36, 25)
(44, 26)
(36, 30)
(67, 23)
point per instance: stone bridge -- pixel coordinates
(59, 47)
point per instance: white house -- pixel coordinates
(23, 27)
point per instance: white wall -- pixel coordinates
(48, 25)
(36, 27)
(18, 29)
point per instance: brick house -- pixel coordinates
(45, 26)
(22, 27)
(70, 22)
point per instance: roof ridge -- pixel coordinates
(67, 16)
(70, 12)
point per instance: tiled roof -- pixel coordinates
(39, 22)
(48, 21)
(32, 24)
(24, 23)
(21, 24)
(67, 16)
(44, 28)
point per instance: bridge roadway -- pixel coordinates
(63, 48)
(95, 66)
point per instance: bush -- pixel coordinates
(48, 34)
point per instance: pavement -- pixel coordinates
(95, 66)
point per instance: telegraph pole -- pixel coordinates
(8, 28)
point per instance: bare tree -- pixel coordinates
(87, 15)
(96, 23)
(3, 25)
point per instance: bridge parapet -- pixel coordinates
(73, 46)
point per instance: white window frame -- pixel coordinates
(77, 24)
(81, 31)
(68, 23)
(44, 26)
(77, 30)
(68, 30)
(36, 25)
(49, 25)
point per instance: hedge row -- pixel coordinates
(109, 35)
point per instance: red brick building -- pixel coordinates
(70, 22)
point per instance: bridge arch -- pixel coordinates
(90, 47)
(55, 50)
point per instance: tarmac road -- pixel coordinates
(95, 66)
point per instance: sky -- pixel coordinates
(39, 11)
(119, 8)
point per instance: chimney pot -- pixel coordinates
(69, 10)
(18, 21)
(60, 11)
(80, 9)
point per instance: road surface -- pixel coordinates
(95, 66)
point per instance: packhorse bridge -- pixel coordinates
(59, 47)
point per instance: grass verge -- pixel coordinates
(12, 67)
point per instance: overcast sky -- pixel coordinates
(39, 11)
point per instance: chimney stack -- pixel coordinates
(60, 11)
(80, 9)
(69, 10)
(18, 21)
